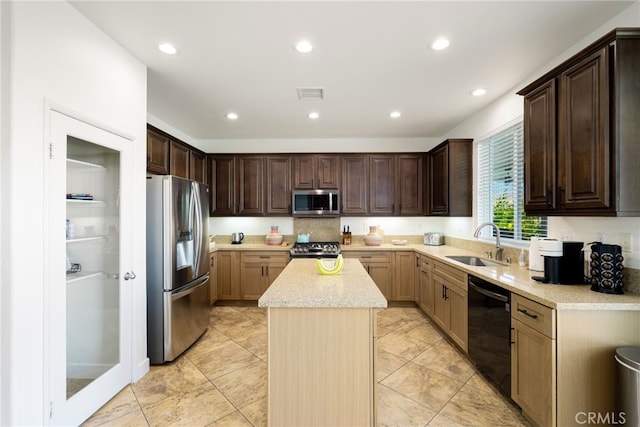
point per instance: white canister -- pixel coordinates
(536, 261)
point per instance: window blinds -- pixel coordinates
(501, 185)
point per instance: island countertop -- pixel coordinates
(301, 285)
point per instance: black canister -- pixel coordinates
(606, 268)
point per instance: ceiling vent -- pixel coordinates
(314, 93)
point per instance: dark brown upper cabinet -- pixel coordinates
(451, 178)
(222, 184)
(168, 155)
(249, 184)
(355, 188)
(157, 152)
(411, 184)
(382, 184)
(197, 166)
(236, 185)
(179, 160)
(278, 185)
(581, 132)
(316, 171)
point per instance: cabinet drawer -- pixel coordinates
(265, 256)
(535, 315)
(369, 256)
(451, 275)
(425, 264)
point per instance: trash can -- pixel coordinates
(628, 359)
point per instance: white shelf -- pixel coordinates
(78, 165)
(83, 275)
(86, 203)
(85, 239)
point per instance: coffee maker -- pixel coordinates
(563, 262)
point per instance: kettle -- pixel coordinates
(237, 238)
(303, 238)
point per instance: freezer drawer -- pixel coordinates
(186, 317)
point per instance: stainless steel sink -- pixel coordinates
(475, 261)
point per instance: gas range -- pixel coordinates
(315, 250)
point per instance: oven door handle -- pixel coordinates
(488, 293)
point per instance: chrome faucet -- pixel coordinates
(499, 249)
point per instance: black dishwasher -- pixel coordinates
(490, 332)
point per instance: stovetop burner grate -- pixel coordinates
(315, 250)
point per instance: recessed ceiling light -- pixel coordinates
(478, 92)
(395, 114)
(303, 46)
(167, 48)
(440, 44)
(232, 116)
(313, 115)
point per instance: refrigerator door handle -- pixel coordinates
(190, 289)
(197, 212)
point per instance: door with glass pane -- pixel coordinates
(89, 301)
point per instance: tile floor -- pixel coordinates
(423, 380)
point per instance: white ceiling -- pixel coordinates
(370, 58)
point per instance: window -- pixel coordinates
(501, 185)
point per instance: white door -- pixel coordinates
(88, 341)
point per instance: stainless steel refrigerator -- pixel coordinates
(177, 265)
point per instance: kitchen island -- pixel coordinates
(321, 346)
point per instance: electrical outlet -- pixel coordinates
(600, 236)
(625, 242)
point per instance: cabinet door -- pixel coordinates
(458, 315)
(274, 269)
(584, 171)
(157, 153)
(222, 185)
(198, 166)
(410, 184)
(540, 149)
(439, 181)
(228, 275)
(328, 171)
(354, 184)
(253, 280)
(213, 277)
(426, 287)
(249, 184)
(403, 287)
(304, 172)
(278, 185)
(532, 381)
(440, 304)
(179, 160)
(382, 185)
(382, 275)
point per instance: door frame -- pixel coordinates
(128, 350)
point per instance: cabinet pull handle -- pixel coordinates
(264, 256)
(267, 268)
(533, 316)
(511, 341)
(548, 198)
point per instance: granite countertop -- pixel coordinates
(511, 277)
(301, 285)
(248, 247)
(518, 280)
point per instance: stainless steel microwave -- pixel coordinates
(315, 203)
